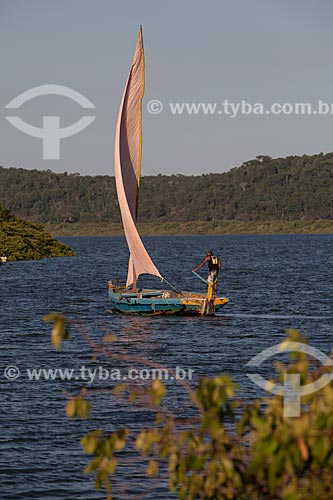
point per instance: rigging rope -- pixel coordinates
(171, 286)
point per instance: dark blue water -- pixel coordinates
(273, 282)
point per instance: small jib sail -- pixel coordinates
(127, 158)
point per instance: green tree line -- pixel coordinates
(262, 189)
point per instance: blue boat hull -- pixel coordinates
(159, 302)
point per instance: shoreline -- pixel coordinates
(192, 228)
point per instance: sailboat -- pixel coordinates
(130, 299)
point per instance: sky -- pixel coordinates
(256, 51)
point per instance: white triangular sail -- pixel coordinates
(127, 157)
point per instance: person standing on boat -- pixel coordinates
(214, 265)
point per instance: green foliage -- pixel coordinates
(78, 407)
(60, 328)
(227, 450)
(264, 189)
(291, 458)
(21, 240)
(104, 448)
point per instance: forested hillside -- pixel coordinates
(262, 189)
(21, 240)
